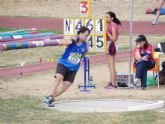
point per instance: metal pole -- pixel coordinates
(88, 70)
(130, 42)
(85, 72)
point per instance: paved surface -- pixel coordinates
(104, 105)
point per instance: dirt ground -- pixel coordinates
(70, 8)
(39, 85)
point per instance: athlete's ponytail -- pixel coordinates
(115, 19)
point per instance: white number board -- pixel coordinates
(97, 38)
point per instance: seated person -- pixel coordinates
(143, 60)
(162, 74)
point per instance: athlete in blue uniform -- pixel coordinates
(68, 64)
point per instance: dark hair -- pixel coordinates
(141, 38)
(83, 29)
(115, 19)
(145, 44)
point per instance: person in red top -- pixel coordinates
(143, 60)
(112, 36)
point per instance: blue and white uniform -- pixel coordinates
(73, 55)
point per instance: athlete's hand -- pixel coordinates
(138, 46)
(144, 58)
(64, 42)
(68, 37)
(137, 55)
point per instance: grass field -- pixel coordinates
(3, 29)
(29, 110)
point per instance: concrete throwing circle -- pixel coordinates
(106, 105)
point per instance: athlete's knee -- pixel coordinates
(59, 78)
(67, 84)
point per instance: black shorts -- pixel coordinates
(68, 74)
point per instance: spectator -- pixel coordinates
(143, 60)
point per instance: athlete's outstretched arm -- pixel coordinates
(64, 42)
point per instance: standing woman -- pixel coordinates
(112, 35)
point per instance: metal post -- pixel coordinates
(85, 72)
(88, 70)
(85, 77)
(130, 43)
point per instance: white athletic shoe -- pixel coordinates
(49, 101)
(155, 22)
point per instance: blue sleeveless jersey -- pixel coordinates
(73, 55)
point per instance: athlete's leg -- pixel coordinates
(159, 6)
(62, 88)
(111, 63)
(58, 80)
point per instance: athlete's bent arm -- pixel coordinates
(64, 42)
